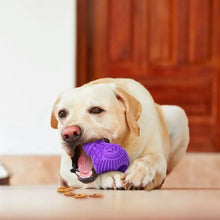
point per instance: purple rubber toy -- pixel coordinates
(107, 156)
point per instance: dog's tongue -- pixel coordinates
(84, 163)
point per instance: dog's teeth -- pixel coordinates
(84, 175)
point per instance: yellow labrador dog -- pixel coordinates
(122, 111)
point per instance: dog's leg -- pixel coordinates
(150, 170)
(147, 172)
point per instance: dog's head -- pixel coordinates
(90, 113)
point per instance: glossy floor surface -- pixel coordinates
(43, 202)
(191, 191)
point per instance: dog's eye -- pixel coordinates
(62, 114)
(96, 110)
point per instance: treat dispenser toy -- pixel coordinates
(107, 156)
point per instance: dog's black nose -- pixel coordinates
(71, 134)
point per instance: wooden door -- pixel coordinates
(171, 46)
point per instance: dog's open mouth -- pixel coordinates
(82, 166)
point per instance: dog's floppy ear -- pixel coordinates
(53, 120)
(133, 109)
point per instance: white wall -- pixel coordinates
(37, 45)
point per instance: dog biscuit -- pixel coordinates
(69, 194)
(80, 196)
(95, 195)
(64, 189)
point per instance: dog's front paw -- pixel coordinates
(144, 174)
(110, 180)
